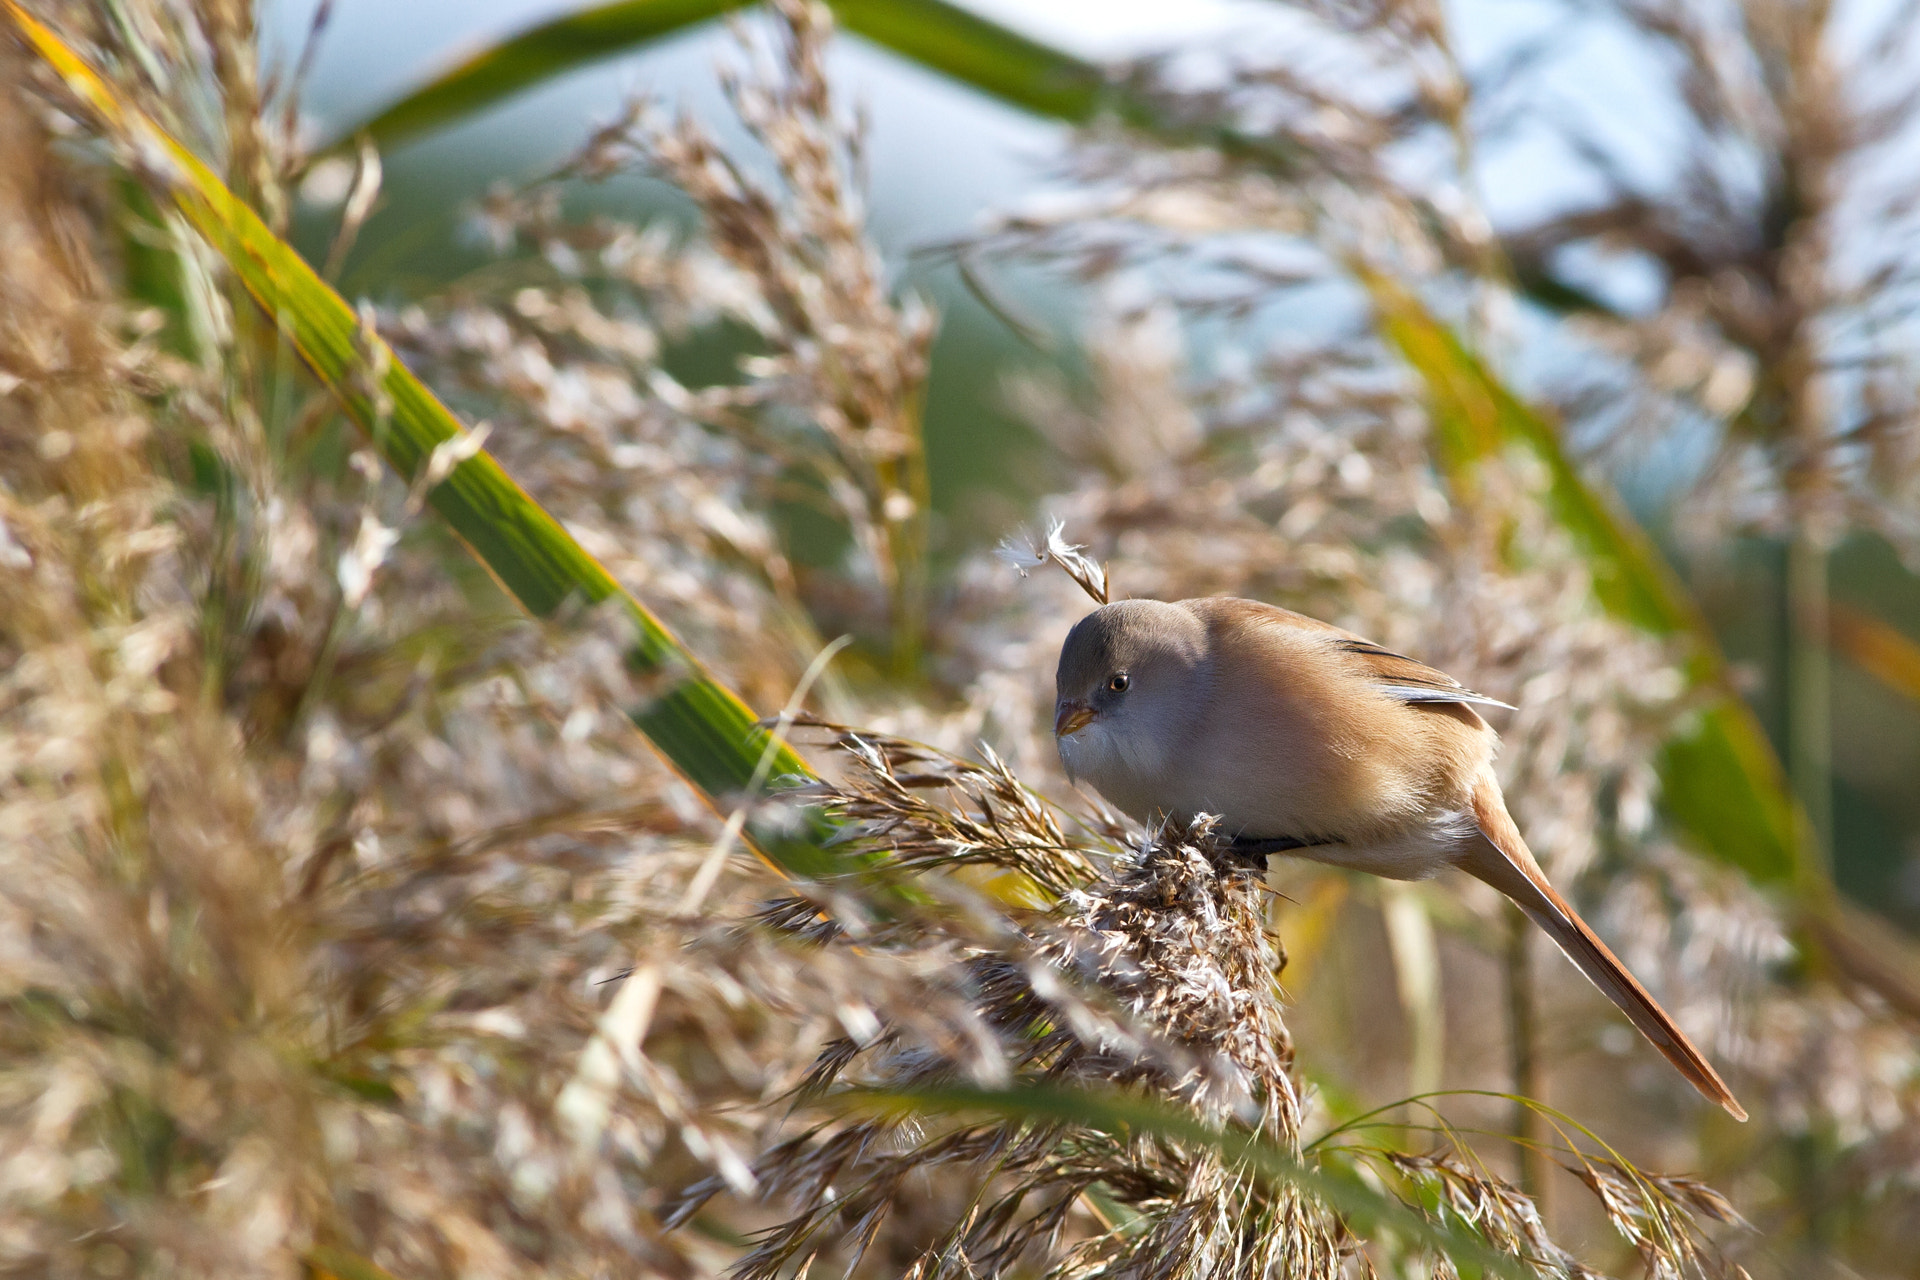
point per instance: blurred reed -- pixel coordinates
(324, 864)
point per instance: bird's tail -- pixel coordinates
(1501, 858)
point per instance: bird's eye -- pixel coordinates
(1119, 683)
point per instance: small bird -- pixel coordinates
(1303, 737)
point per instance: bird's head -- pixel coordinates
(1132, 678)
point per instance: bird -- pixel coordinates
(1297, 735)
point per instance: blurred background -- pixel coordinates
(1582, 105)
(1645, 176)
(353, 931)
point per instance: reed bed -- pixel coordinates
(351, 929)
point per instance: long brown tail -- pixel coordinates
(1503, 860)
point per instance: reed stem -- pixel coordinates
(1809, 688)
(1524, 1061)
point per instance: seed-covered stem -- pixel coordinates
(904, 511)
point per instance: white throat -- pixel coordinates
(1118, 764)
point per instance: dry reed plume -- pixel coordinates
(323, 868)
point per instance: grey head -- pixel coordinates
(1133, 685)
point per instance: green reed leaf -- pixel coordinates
(1368, 1211)
(705, 732)
(939, 36)
(1722, 783)
(942, 37)
(329, 1262)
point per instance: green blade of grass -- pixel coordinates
(937, 35)
(942, 37)
(1367, 1210)
(1721, 781)
(329, 1262)
(696, 723)
(536, 54)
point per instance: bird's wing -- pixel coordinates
(1394, 674)
(1501, 858)
(1401, 677)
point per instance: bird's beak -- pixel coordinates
(1071, 717)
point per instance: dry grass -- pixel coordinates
(324, 871)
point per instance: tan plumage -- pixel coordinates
(1287, 728)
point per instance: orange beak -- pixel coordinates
(1071, 718)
